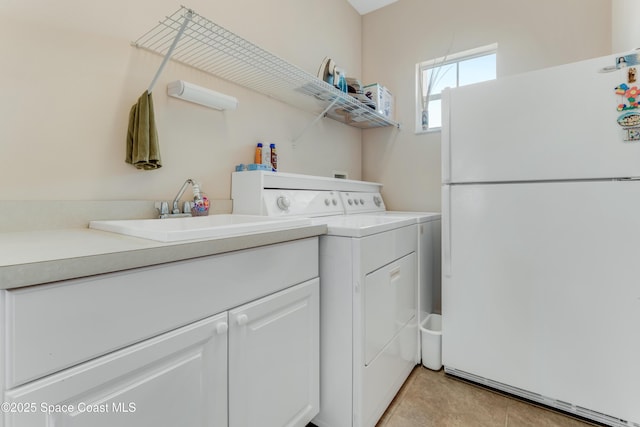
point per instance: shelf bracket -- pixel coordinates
(321, 115)
(187, 17)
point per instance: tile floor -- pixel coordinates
(431, 398)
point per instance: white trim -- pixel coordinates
(455, 57)
(424, 132)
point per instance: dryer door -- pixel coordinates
(390, 303)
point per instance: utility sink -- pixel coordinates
(198, 227)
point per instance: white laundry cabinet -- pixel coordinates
(223, 340)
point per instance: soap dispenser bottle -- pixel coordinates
(200, 206)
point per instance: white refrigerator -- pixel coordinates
(541, 237)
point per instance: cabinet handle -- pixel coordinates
(222, 328)
(242, 319)
(394, 274)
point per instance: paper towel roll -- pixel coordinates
(201, 95)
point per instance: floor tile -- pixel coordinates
(431, 398)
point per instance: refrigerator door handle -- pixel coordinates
(445, 136)
(446, 230)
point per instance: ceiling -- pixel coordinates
(366, 6)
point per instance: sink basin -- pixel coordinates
(199, 227)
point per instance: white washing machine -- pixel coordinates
(368, 287)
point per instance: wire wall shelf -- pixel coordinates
(204, 45)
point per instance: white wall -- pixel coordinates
(625, 26)
(69, 77)
(531, 34)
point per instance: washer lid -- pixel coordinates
(420, 217)
(361, 225)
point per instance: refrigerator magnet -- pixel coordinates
(628, 60)
(621, 89)
(631, 75)
(631, 94)
(633, 134)
(629, 119)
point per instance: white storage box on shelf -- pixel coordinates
(383, 99)
(431, 331)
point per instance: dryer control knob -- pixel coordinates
(334, 202)
(327, 202)
(377, 201)
(362, 201)
(350, 202)
(283, 203)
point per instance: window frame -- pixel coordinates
(456, 58)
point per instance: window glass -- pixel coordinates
(474, 66)
(435, 114)
(440, 78)
(477, 70)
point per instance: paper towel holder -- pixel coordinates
(201, 95)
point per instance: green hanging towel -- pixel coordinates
(143, 150)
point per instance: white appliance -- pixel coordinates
(428, 251)
(541, 232)
(368, 290)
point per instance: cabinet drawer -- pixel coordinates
(52, 327)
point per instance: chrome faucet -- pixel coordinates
(175, 210)
(163, 207)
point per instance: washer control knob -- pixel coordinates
(327, 202)
(334, 202)
(362, 201)
(350, 201)
(356, 202)
(377, 201)
(283, 203)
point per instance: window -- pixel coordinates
(464, 68)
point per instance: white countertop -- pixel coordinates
(35, 257)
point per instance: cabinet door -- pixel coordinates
(274, 359)
(176, 379)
